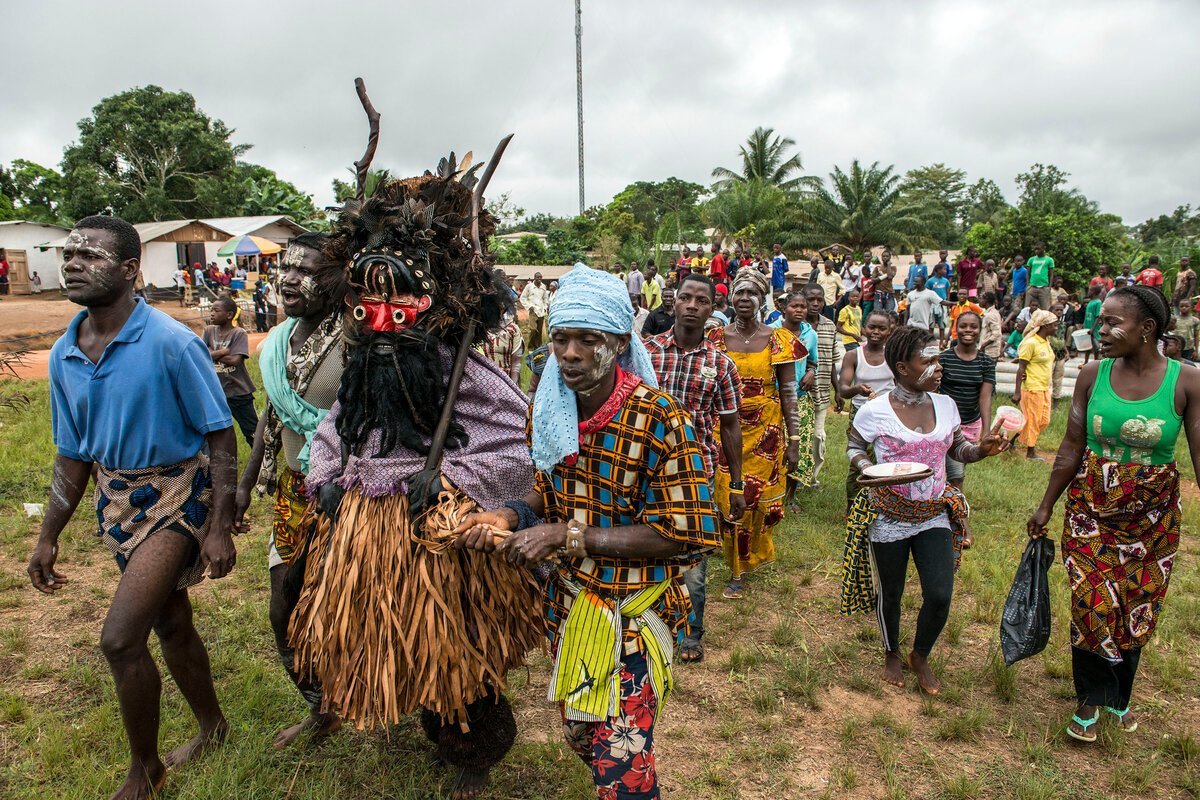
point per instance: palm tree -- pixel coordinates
(862, 208)
(734, 209)
(763, 159)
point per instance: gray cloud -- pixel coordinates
(1105, 90)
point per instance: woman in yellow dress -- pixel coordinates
(766, 360)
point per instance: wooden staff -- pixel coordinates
(364, 164)
(438, 444)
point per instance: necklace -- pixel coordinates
(737, 327)
(908, 397)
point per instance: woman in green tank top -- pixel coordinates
(1122, 514)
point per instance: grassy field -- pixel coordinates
(787, 704)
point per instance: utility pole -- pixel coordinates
(579, 91)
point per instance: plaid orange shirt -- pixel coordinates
(643, 467)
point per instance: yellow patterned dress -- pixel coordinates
(747, 543)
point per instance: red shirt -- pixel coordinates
(1107, 283)
(1149, 277)
(968, 269)
(719, 269)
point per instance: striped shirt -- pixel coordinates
(961, 380)
(827, 337)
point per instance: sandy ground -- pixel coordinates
(42, 319)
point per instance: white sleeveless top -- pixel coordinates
(879, 377)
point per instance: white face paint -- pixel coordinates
(931, 352)
(293, 256)
(308, 287)
(81, 244)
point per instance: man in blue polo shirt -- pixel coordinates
(134, 393)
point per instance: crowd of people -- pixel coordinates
(430, 522)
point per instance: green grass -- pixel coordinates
(787, 704)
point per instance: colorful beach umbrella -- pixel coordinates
(247, 245)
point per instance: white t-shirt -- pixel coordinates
(878, 424)
(179, 279)
(922, 307)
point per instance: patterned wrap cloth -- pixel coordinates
(1120, 536)
(134, 504)
(290, 503)
(748, 544)
(858, 584)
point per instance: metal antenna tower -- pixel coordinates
(579, 91)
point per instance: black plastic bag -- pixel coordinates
(1025, 625)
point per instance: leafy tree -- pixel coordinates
(765, 159)
(267, 193)
(35, 192)
(1043, 191)
(563, 247)
(1078, 239)
(506, 212)
(526, 250)
(862, 208)
(150, 154)
(985, 202)
(653, 204)
(346, 190)
(542, 222)
(942, 191)
(1182, 222)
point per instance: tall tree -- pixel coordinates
(1044, 191)
(35, 191)
(267, 193)
(765, 158)
(942, 191)
(985, 202)
(150, 154)
(862, 208)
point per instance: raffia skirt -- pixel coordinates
(391, 619)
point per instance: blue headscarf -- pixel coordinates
(592, 300)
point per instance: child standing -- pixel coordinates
(849, 321)
(229, 347)
(1091, 316)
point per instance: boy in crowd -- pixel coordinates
(1019, 281)
(1187, 327)
(230, 347)
(849, 321)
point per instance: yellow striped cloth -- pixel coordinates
(587, 669)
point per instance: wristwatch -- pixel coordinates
(576, 543)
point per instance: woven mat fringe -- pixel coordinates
(389, 621)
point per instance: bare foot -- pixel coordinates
(925, 677)
(893, 674)
(142, 783)
(203, 742)
(322, 725)
(469, 784)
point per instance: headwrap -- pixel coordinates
(751, 279)
(591, 300)
(1039, 319)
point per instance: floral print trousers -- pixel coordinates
(620, 750)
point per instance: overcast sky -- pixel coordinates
(1105, 90)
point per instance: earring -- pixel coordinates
(1144, 339)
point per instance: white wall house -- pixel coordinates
(276, 228)
(20, 240)
(166, 245)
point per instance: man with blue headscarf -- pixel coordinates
(621, 508)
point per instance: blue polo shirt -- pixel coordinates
(914, 271)
(149, 402)
(940, 285)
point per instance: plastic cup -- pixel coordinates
(1011, 421)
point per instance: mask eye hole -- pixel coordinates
(360, 313)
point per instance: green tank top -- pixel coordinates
(1133, 431)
